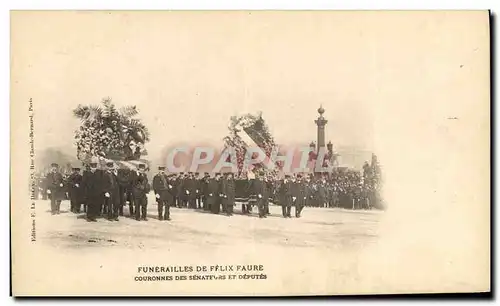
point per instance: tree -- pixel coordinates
(109, 132)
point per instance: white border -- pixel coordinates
(179, 5)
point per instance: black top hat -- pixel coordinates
(94, 165)
(54, 165)
(299, 175)
(181, 173)
(142, 166)
(287, 176)
(217, 173)
(161, 167)
(110, 164)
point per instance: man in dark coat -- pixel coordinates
(229, 194)
(257, 192)
(322, 193)
(199, 189)
(92, 187)
(140, 189)
(55, 188)
(214, 193)
(286, 197)
(181, 193)
(205, 182)
(111, 191)
(74, 184)
(190, 187)
(308, 192)
(124, 192)
(161, 190)
(268, 193)
(301, 194)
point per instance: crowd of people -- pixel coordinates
(109, 191)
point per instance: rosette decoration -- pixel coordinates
(109, 133)
(248, 130)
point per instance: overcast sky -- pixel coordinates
(188, 72)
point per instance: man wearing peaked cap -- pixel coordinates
(75, 190)
(55, 188)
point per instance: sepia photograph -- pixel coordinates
(250, 153)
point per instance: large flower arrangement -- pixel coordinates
(109, 133)
(257, 130)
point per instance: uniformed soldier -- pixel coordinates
(214, 193)
(92, 187)
(140, 189)
(229, 194)
(55, 188)
(286, 197)
(161, 190)
(74, 185)
(111, 191)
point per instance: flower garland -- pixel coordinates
(255, 127)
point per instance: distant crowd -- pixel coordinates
(109, 191)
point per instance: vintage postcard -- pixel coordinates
(250, 153)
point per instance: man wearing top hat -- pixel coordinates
(190, 187)
(214, 193)
(92, 188)
(55, 188)
(111, 191)
(162, 193)
(301, 193)
(199, 189)
(229, 194)
(286, 197)
(181, 193)
(75, 190)
(205, 182)
(140, 189)
(258, 193)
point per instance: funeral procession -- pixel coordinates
(113, 178)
